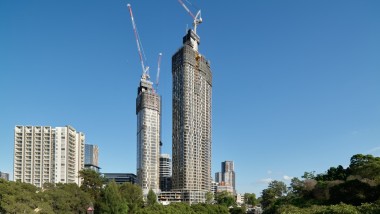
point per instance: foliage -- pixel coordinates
(355, 189)
(308, 175)
(366, 166)
(209, 208)
(66, 198)
(250, 199)
(151, 198)
(225, 198)
(353, 192)
(113, 201)
(92, 183)
(209, 198)
(133, 196)
(238, 210)
(276, 189)
(332, 174)
(17, 197)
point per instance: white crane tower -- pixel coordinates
(145, 68)
(197, 18)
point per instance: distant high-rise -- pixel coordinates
(4, 176)
(91, 157)
(165, 172)
(43, 154)
(192, 89)
(218, 177)
(226, 178)
(148, 110)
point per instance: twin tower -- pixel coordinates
(191, 109)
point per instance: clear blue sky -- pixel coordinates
(296, 84)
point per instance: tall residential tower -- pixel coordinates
(192, 88)
(148, 110)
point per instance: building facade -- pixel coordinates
(91, 157)
(69, 155)
(165, 172)
(148, 110)
(43, 154)
(192, 90)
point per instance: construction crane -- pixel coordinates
(197, 18)
(145, 69)
(158, 70)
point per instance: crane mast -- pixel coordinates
(197, 18)
(158, 70)
(145, 69)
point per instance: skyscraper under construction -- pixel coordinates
(192, 89)
(148, 110)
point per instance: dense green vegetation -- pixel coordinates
(355, 189)
(105, 197)
(351, 190)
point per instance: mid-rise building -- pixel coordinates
(192, 90)
(43, 154)
(165, 172)
(214, 186)
(222, 187)
(148, 110)
(4, 176)
(239, 199)
(91, 157)
(121, 178)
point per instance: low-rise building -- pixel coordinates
(121, 178)
(168, 197)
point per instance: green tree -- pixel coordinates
(353, 192)
(209, 198)
(133, 196)
(17, 197)
(92, 183)
(332, 174)
(250, 199)
(151, 198)
(276, 189)
(367, 166)
(113, 201)
(225, 198)
(66, 198)
(308, 175)
(237, 210)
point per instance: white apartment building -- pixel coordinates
(43, 154)
(69, 155)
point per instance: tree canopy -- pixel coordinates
(355, 189)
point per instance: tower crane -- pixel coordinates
(197, 18)
(158, 70)
(145, 69)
